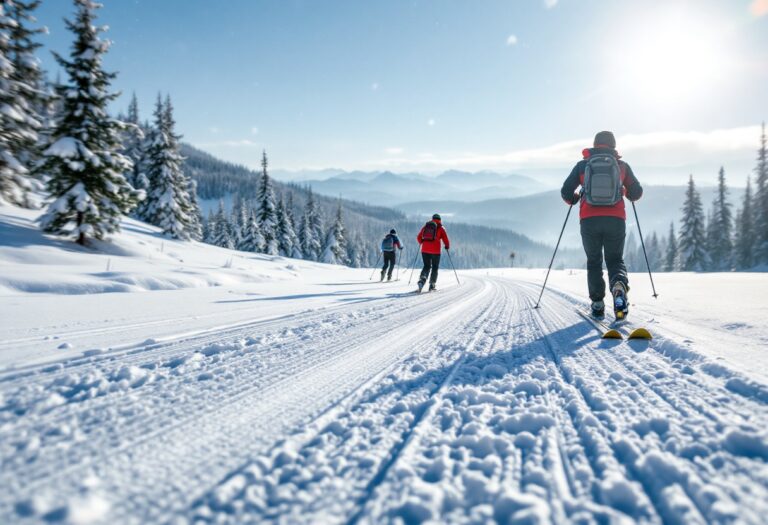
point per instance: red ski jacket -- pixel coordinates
(632, 189)
(433, 247)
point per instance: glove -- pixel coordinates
(576, 197)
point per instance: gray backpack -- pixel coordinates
(602, 180)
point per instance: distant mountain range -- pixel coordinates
(540, 216)
(388, 189)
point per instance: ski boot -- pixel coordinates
(432, 287)
(598, 309)
(620, 301)
(382, 277)
(389, 278)
(420, 285)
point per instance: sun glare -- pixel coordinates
(673, 57)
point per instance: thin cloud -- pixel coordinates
(431, 122)
(662, 149)
(511, 40)
(394, 151)
(254, 130)
(375, 86)
(549, 4)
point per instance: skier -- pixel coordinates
(388, 245)
(429, 238)
(604, 181)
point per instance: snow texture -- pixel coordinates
(311, 395)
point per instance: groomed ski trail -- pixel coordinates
(467, 406)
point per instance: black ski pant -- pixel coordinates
(604, 235)
(431, 262)
(390, 258)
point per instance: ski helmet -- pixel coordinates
(436, 217)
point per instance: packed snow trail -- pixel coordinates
(462, 406)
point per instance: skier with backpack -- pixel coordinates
(388, 245)
(605, 180)
(430, 236)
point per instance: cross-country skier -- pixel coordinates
(429, 238)
(604, 179)
(388, 245)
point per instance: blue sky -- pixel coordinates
(430, 85)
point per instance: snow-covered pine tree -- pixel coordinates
(335, 251)
(209, 227)
(671, 254)
(266, 214)
(133, 142)
(744, 237)
(721, 228)
(692, 243)
(83, 163)
(290, 229)
(196, 226)
(253, 240)
(760, 205)
(310, 245)
(285, 235)
(169, 205)
(315, 221)
(15, 181)
(32, 94)
(654, 252)
(222, 234)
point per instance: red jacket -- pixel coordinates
(433, 247)
(632, 189)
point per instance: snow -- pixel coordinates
(147, 380)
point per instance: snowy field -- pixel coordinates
(153, 381)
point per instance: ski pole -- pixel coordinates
(653, 287)
(413, 266)
(452, 266)
(375, 266)
(553, 254)
(397, 264)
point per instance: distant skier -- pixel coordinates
(388, 246)
(429, 238)
(604, 181)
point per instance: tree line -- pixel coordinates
(720, 240)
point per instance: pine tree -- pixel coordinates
(209, 228)
(654, 252)
(169, 205)
(671, 255)
(721, 228)
(83, 162)
(692, 234)
(266, 214)
(290, 230)
(15, 121)
(196, 226)
(222, 234)
(133, 143)
(253, 240)
(744, 238)
(336, 242)
(310, 245)
(760, 205)
(286, 236)
(32, 95)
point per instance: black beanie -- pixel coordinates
(392, 231)
(436, 216)
(605, 138)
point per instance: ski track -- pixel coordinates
(465, 406)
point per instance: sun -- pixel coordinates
(673, 57)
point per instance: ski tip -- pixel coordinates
(640, 333)
(612, 334)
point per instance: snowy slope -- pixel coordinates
(311, 395)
